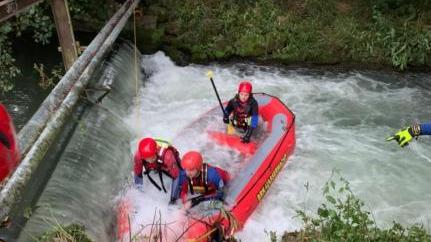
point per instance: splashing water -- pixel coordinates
(342, 122)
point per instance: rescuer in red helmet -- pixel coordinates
(158, 156)
(198, 178)
(243, 111)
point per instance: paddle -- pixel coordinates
(230, 128)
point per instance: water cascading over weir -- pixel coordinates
(75, 150)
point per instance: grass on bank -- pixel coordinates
(65, 233)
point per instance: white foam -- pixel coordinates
(342, 121)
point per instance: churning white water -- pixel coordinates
(342, 120)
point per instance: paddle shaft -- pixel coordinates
(218, 97)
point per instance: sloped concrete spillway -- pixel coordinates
(91, 155)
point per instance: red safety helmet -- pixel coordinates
(245, 86)
(192, 160)
(147, 148)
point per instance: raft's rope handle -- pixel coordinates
(224, 214)
(204, 236)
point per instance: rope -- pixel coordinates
(135, 52)
(204, 236)
(217, 224)
(136, 64)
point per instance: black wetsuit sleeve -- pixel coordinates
(229, 107)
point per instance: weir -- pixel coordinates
(46, 140)
(91, 156)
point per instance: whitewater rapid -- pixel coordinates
(342, 120)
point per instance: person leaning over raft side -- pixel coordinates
(404, 136)
(244, 109)
(155, 155)
(198, 178)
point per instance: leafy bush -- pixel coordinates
(8, 70)
(387, 32)
(34, 19)
(38, 21)
(406, 43)
(343, 218)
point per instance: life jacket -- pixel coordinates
(159, 166)
(241, 113)
(200, 183)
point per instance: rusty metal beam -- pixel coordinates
(9, 8)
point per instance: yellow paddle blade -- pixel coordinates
(230, 129)
(209, 74)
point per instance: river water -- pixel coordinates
(342, 120)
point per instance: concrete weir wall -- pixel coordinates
(36, 136)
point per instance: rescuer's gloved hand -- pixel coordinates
(196, 200)
(173, 201)
(139, 183)
(225, 119)
(247, 135)
(404, 136)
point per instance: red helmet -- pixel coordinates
(245, 86)
(147, 148)
(192, 160)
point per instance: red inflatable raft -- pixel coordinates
(249, 186)
(260, 162)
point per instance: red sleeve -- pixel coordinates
(170, 163)
(137, 168)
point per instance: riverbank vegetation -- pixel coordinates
(38, 23)
(342, 217)
(358, 33)
(385, 32)
(34, 20)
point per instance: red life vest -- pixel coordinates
(241, 113)
(159, 165)
(200, 184)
